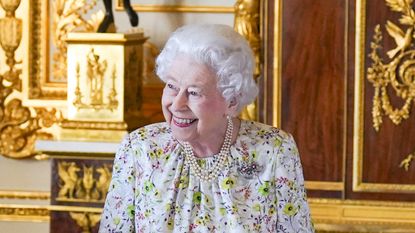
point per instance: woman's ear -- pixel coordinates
(233, 107)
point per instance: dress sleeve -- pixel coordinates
(118, 213)
(293, 210)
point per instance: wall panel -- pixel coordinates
(313, 90)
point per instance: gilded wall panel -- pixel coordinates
(384, 139)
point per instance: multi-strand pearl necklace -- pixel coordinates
(221, 160)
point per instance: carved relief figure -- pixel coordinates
(95, 72)
(102, 183)
(88, 181)
(68, 174)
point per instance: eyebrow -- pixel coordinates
(168, 77)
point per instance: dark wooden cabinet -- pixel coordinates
(332, 70)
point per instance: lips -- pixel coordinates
(183, 122)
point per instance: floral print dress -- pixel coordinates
(260, 190)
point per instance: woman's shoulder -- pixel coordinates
(257, 130)
(154, 132)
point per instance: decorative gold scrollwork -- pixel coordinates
(407, 162)
(85, 220)
(88, 188)
(19, 125)
(67, 18)
(247, 24)
(399, 73)
(96, 69)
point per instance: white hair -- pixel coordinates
(220, 48)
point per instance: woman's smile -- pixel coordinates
(183, 122)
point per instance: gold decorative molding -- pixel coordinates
(38, 213)
(74, 209)
(93, 125)
(83, 188)
(30, 195)
(358, 130)
(328, 215)
(277, 65)
(247, 23)
(26, 213)
(265, 30)
(175, 8)
(324, 185)
(39, 82)
(362, 216)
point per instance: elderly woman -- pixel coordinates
(204, 169)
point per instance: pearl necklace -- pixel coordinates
(210, 174)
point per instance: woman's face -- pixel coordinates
(192, 105)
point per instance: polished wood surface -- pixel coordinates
(393, 142)
(313, 84)
(384, 150)
(318, 98)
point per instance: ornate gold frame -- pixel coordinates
(358, 132)
(38, 85)
(176, 8)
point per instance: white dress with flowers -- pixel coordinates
(261, 189)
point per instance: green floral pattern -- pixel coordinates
(152, 190)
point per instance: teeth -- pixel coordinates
(183, 121)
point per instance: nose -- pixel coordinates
(180, 101)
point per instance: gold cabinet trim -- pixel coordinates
(324, 185)
(333, 214)
(30, 195)
(277, 65)
(176, 8)
(24, 213)
(362, 216)
(358, 136)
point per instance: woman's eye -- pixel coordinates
(169, 85)
(193, 93)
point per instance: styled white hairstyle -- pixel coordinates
(222, 49)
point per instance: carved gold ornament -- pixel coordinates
(95, 72)
(407, 162)
(397, 75)
(85, 220)
(19, 125)
(68, 17)
(247, 24)
(78, 184)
